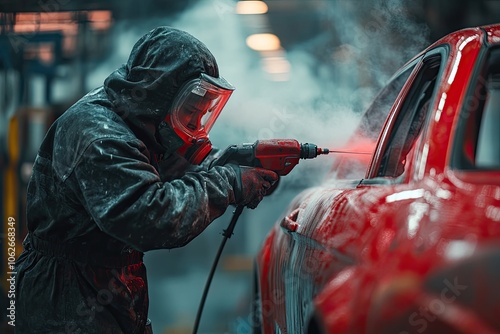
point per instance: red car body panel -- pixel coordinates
(416, 252)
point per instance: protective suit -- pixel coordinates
(109, 184)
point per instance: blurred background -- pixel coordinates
(303, 69)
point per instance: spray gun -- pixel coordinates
(278, 155)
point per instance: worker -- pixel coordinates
(121, 172)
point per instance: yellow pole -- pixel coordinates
(11, 192)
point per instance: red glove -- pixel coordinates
(252, 184)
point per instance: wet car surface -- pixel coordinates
(406, 239)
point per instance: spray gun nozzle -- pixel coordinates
(323, 151)
(310, 151)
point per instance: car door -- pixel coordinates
(340, 225)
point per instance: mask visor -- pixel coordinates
(198, 104)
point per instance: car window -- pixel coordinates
(350, 166)
(488, 143)
(375, 116)
(410, 120)
(477, 144)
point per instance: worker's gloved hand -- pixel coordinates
(252, 184)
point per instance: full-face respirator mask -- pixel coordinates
(193, 113)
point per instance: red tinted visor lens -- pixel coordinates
(197, 106)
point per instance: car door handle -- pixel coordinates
(290, 222)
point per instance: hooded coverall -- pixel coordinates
(105, 189)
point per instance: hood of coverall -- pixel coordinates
(143, 89)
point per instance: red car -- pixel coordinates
(406, 239)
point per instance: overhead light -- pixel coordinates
(251, 7)
(100, 19)
(263, 42)
(275, 65)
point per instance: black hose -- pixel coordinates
(227, 233)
